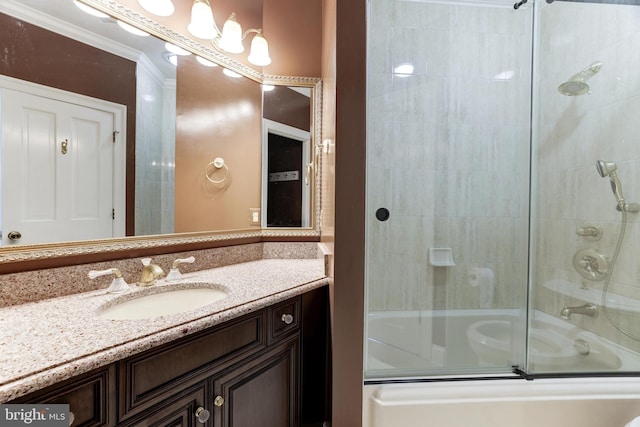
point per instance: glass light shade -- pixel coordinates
(231, 38)
(229, 73)
(133, 30)
(176, 49)
(88, 9)
(259, 51)
(158, 7)
(173, 59)
(205, 62)
(202, 24)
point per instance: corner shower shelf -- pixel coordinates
(594, 296)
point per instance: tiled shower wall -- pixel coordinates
(574, 132)
(447, 151)
(155, 151)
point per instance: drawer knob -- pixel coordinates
(202, 415)
(287, 318)
(218, 401)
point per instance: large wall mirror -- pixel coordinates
(180, 142)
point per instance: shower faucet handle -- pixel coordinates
(590, 232)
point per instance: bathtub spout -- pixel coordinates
(587, 310)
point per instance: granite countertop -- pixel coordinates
(48, 341)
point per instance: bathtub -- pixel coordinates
(485, 341)
(578, 402)
(440, 344)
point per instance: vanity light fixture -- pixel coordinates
(158, 7)
(176, 49)
(205, 62)
(132, 29)
(230, 39)
(172, 58)
(230, 73)
(88, 9)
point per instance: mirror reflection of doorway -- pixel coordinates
(63, 165)
(286, 183)
(284, 190)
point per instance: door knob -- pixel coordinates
(14, 235)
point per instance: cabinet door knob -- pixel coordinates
(287, 318)
(218, 401)
(202, 415)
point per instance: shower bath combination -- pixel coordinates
(577, 84)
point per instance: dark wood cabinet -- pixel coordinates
(262, 392)
(91, 397)
(248, 372)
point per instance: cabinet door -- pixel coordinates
(260, 392)
(180, 410)
(89, 396)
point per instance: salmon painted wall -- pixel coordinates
(217, 116)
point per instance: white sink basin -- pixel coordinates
(163, 303)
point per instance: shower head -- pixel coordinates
(609, 169)
(577, 85)
(573, 88)
(606, 168)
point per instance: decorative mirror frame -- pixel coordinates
(62, 251)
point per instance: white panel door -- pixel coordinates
(57, 170)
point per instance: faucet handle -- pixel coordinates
(174, 274)
(97, 273)
(118, 285)
(146, 261)
(179, 261)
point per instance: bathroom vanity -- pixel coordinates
(259, 358)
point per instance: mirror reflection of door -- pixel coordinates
(58, 152)
(285, 176)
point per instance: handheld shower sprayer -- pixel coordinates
(608, 169)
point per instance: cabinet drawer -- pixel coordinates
(284, 319)
(89, 397)
(150, 376)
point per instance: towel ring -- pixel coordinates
(217, 163)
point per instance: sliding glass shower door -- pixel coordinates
(503, 201)
(448, 160)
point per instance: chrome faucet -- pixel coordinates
(150, 273)
(587, 310)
